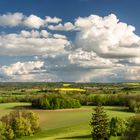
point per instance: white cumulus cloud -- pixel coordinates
(68, 26)
(107, 36)
(49, 19)
(33, 21)
(32, 43)
(21, 68)
(11, 20)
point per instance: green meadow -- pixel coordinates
(66, 124)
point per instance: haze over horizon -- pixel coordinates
(73, 41)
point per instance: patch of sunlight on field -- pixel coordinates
(132, 84)
(70, 89)
(66, 85)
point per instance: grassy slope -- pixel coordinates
(64, 124)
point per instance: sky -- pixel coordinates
(69, 41)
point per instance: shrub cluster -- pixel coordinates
(117, 126)
(134, 106)
(133, 129)
(54, 102)
(15, 98)
(18, 124)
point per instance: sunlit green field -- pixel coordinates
(132, 84)
(72, 124)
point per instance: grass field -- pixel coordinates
(71, 124)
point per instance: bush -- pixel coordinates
(18, 124)
(21, 127)
(2, 131)
(133, 129)
(134, 106)
(9, 133)
(15, 98)
(117, 126)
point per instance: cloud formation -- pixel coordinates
(68, 26)
(90, 59)
(49, 19)
(107, 37)
(21, 68)
(32, 43)
(103, 49)
(31, 21)
(22, 71)
(11, 20)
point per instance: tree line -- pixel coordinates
(60, 101)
